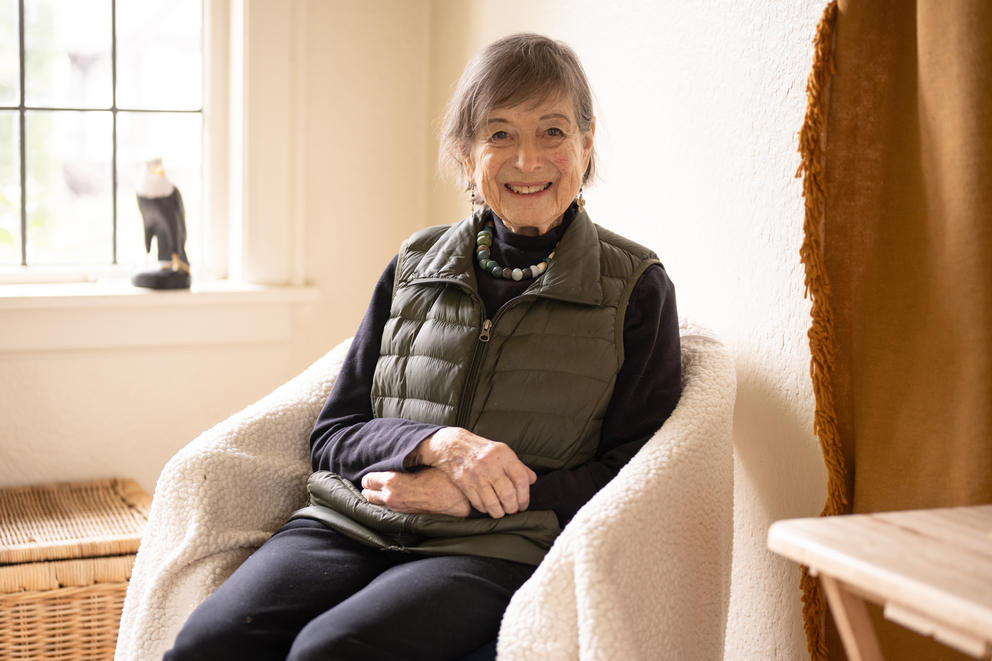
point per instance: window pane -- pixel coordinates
(176, 139)
(67, 53)
(159, 54)
(9, 66)
(10, 193)
(68, 188)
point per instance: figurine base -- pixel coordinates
(161, 279)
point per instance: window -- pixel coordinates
(90, 90)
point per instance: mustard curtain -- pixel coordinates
(897, 158)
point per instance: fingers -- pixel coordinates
(508, 494)
(374, 488)
(495, 504)
(496, 480)
(375, 497)
(520, 477)
(425, 491)
(388, 488)
(373, 480)
(488, 473)
(485, 500)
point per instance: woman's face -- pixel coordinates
(527, 162)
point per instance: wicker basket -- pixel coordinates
(66, 553)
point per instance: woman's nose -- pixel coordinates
(528, 156)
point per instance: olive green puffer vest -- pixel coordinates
(538, 376)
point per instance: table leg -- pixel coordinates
(853, 622)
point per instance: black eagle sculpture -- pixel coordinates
(164, 217)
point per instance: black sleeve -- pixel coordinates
(346, 438)
(647, 389)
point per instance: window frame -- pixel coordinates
(255, 140)
(212, 262)
(249, 275)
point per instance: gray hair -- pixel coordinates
(513, 70)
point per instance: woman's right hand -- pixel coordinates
(489, 473)
(422, 492)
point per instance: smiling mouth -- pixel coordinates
(528, 190)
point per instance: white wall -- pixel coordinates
(82, 414)
(699, 107)
(367, 131)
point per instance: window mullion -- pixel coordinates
(23, 131)
(113, 112)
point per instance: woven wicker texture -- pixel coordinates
(66, 554)
(33, 576)
(71, 520)
(69, 623)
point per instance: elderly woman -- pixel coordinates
(507, 367)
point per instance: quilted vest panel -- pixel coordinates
(542, 380)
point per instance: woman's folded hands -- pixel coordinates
(462, 469)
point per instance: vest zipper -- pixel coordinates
(465, 403)
(468, 390)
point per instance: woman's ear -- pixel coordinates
(587, 140)
(587, 137)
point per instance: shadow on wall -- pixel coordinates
(775, 455)
(775, 446)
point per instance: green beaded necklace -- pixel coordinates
(483, 250)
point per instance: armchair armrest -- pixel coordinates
(643, 570)
(216, 501)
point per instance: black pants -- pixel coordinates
(311, 593)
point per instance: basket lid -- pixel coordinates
(71, 520)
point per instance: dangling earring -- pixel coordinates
(474, 198)
(580, 200)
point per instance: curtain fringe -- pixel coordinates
(821, 332)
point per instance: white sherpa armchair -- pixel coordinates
(641, 572)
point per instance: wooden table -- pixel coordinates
(931, 570)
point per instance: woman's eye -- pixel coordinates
(499, 136)
(556, 132)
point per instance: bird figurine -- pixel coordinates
(164, 218)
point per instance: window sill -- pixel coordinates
(111, 293)
(115, 315)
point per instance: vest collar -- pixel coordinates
(573, 275)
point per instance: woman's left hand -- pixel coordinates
(422, 492)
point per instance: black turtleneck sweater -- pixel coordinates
(349, 441)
